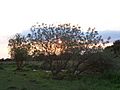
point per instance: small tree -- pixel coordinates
(18, 50)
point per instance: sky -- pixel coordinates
(19, 15)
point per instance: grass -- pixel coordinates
(39, 80)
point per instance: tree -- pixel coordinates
(57, 41)
(18, 49)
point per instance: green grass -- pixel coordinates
(39, 80)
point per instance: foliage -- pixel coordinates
(100, 62)
(48, 39)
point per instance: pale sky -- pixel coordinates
(19, 15)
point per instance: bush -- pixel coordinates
(99, 62)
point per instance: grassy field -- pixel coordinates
(39, 80)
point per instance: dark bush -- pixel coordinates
(99, 62)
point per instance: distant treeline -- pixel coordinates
(7, 59)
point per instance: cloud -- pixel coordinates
(115, 35)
